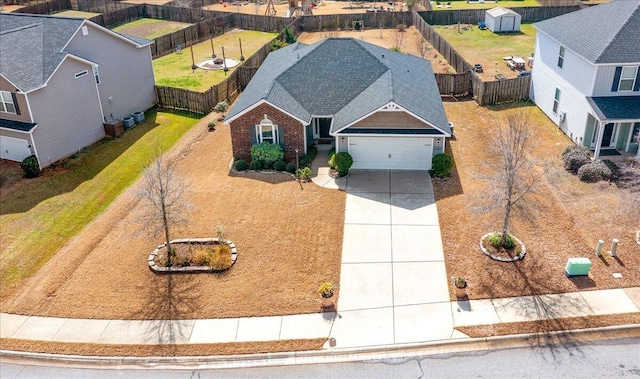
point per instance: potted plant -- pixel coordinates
(326, 291)
(459, 286)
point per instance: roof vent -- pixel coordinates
(382, 55)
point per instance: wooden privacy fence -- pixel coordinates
(46, 7)
(500, 91)
(369, 20)
(455, 84)
(473, 16)
(439, 43)
(120, 16)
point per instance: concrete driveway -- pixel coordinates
(394, 286)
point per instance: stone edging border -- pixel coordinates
(501, 259)
(189, 269)
(638, 237)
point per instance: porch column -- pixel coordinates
(596, 153)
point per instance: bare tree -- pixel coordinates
(166, 204)
(422, 46)
(517, 176)
(399, 37)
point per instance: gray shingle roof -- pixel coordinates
(606, 33)
(31, 46)
(344, 78)
(616, 107)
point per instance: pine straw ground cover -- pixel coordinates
(288, 235)
(566, 217)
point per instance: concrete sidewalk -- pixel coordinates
(317, 325)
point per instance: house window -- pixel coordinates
(7, 104)
(96, 75)
(556, 101)
(561, 57)
(81, 74)
(627, 78)
(267, 131)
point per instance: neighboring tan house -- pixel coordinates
(61, 78)
(380, 106)
(586, 75)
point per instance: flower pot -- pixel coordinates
(327, 302)
(460, 292)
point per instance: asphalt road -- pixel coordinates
(614, 358)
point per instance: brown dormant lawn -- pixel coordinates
(289, 239)
(566, 219)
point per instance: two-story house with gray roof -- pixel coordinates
(61, 79)
(380, 106)
(586, 75)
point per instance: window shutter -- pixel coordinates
(636, 87)
(254, 136)
(616, 79)
(15, 102)
(281, 135)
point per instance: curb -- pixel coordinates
(325, 356)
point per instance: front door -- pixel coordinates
(607, 135)
(325, 126)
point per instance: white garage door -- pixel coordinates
(14, 149)
(394, 153)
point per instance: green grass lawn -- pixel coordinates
(150, 28)
(76, 14)
(174, 70)
(461, 4)
(488, 48)
(42, 214)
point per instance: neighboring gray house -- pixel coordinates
(61, 78)
(500, 20)
(586, 76)
(382, 107)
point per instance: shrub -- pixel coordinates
(332, 160)
(289, 37)
(303, 173)
(221, 107)
(211, 126)
(241, 165)
(494, 240)
(220, 258)
(291, 168)
(395, 48)
(255, 165)
(594, 171)
(277, 44)
(279, 165)
(343, 163)
(574, 161)
(441, 164)
(30, 167)
(267, 153)
(576, 149)
(401, 27)
(200, 256)
(615, 170)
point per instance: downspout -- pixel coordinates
(33, 145)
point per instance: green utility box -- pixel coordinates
(577, 267)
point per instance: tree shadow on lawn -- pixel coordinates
(67, 174)
(451, 186)
(265, 177)
(166, 308)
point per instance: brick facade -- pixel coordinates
(243, 127)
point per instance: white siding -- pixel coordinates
(576, 70)
(126, 72)
(67, 112)
(573, 103)
(604, 81)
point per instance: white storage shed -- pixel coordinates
(500, 20)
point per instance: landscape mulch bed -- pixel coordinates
(564, 218)
(98, 350)
(288, 236)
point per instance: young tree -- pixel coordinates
(166, 203)
(422, 46)
(517, 176)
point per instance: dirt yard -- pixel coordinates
(564, 219)
(408, 42)
(325, 7)
(289, 239)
